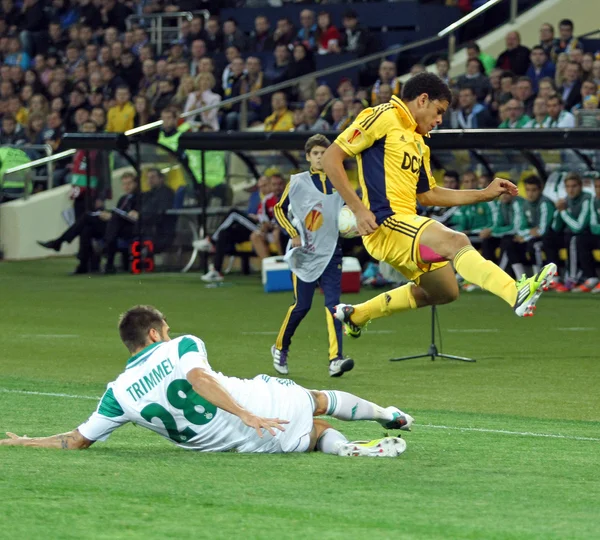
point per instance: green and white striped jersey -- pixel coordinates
(153, 392)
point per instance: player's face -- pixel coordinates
(164, 332)
(429, 113)
(573, 188)
(315, 156)
(532, 192)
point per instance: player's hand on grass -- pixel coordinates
(296, 241)
(365, 221)
(258, 423)
(498, 187)
(13, 440)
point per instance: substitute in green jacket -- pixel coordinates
(572, 222)
(537, 226)
(508, 220)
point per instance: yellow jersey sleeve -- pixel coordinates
(369, 126)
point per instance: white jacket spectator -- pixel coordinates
(557, 117)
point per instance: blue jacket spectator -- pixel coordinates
(540, 67)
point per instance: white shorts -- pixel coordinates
(283, 399)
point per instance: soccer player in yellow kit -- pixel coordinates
(394, 172)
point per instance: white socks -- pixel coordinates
(330, 440)
(519, 270)
(346, 406)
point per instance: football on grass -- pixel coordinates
(347, 223)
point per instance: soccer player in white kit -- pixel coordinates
(169, 387)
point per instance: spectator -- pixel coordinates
(324, 99)
(231, 53)
(284, 33)
(470, 114)
(54, 130)
(571, 88)
(355, 37)
(303, 65)
(567, 41)
(213, 36)
(339, 114)
(476, 79)
(32, 22)
(524, 92)
(269, 232)
(562, 61)
(442, 67)
(261, 39)
(416, 69)
(196, 31)
(140, 39)
(233, 88)
(35, 127)
(540, 114)
(76, 101)
(357, 106)
(596, 72)
(540, 67)
(487, 61)
(282, 118)
(588, 88)
(198, 50)
(39, 104)
(516, 56)
(572, 224)
(111, 80)
(11, 15)
(121, 117)
(114, 14)
(148, 85)
(98, 116)
(311, 120)
(233, 36)
(16, 55)
(546, 88)
(587, 66)
(164, 95)
(278, 71)
(385, 94)
(186, 88)
(131, 71)
(308, 29)
(202, 97)
(576, 55)
(327, 36)
(547, 41)
(12, 133)
(516, 115)
(557, 116)
(387, 75)
(253, 80)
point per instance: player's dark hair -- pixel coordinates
(574, 176)
(534, 180)
(316, 140)
(426, 83)
(135, 324)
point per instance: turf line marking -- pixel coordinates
(472, 330)
(51, 394)
(55, 336)
(260, 333)
(576, 329)
(433, 426)
(521, 433)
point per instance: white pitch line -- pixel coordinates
(51, 394)
(576, 329)
(520, 433)
(53, 336)
(471, 330)
(260, 333)
(433, 426)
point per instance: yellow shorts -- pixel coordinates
(396, 242)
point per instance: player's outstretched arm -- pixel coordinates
(73, 440)
(205, 385)
(333, 165)
(439, 196)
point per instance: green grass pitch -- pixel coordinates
(507, 448)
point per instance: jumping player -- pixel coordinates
(308, 211)
(394, 172)
(169, 387)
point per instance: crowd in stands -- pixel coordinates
(75, 65)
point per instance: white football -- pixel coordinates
(347, 223)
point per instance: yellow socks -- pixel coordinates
(475, 269)
(400, 299)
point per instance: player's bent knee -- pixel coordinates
(321, 402)
(447, 296)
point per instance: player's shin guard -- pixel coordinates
(346, 406)
(399, 299)
(330, 441)
(469, 263)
